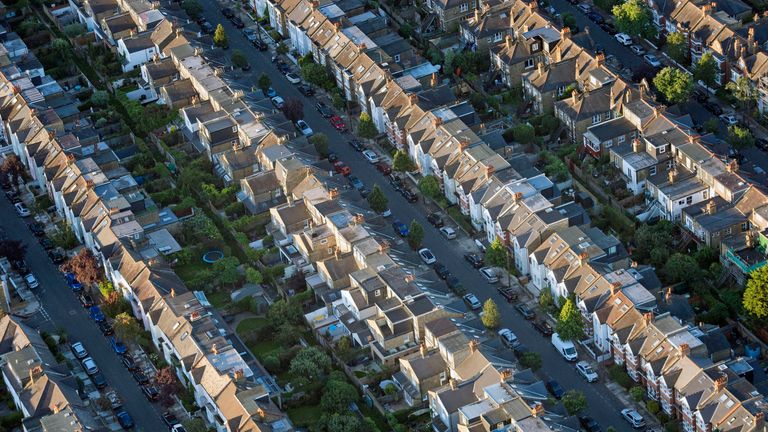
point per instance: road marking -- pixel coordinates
(73, 312)
(45, 315)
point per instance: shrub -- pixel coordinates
(637, 393)
(620, 377)
(652, 406)
(272, 363)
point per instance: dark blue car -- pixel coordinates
(96, 314)
(400, 228)
(72, 281)
(555, 388)
(118, 346)
(355, 182)
(125, 420)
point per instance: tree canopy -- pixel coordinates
(401, 162)
(531, 360)
(337, 396)
(524, 133)
(740, 137)
(85, 267)
(365, 128)
(126, 328)
(377, 200)
(743, 91)
(264, 82)
(755, 299)
(293, 109)
(634, 18)
(193, 8)
(415, 234)
(12, 169)
(705, 70)
(674, 84)
(677, 47)
(683, 268)
(14, 250)
(310, 363)
(497, 254)
(574, 401)
(315, 74)
(220, 37)
(238, 59)
(491, 318)
(430, 187)
(320, 142)
(570, 325)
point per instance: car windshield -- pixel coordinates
(570, 350)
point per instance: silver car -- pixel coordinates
(586, 371)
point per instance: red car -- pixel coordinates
(384, 168)
(342, 169)
(338, 123)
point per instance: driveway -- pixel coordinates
(63, 310)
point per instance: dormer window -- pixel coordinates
(561, 90)
(535, 46)
(464, 7)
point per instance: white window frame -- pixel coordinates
(652, 171)
(621, 139)
(530, 63)
(596, 119)
(464, 7)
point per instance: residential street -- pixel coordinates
(603, 406)
(63, 309)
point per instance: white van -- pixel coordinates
(565, 348)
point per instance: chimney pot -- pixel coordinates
(537, 410)
(672, 175)
(684, 350)
(648, 317)
(473, 345)
(452, 383)
(423, 349)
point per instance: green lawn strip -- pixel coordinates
(251, 324)
(305, 416)
(219, 299)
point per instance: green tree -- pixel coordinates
(195, 424)
(316, 74)
(282, 48)
(220, 37)
(674, 84)
(497, 254)
(755, 300)
(740, 137)
(320, 142)
(743, 91)
(650, 237)
(531, 360)
(712, 125)
(680, 267)
(401, 162)
(637, 393)
(430, 187)
(126, 328)
(264, 82)
(574, 401)
(570, 325)
(193, 8)
(85, 266)
(100, 98)
(705, 70)
(341, 422)
(310, 364)
(253, 276)
(377, 200)
(74, 29)
(546, 301)
(677, 47)
(569, 21)
(415, 235)
(338, 100)
(337, 396)
(491, 318)
(634, 18)
(365, 128)
(238, 59)
(524, 133)
(226, 270)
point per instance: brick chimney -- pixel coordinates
(337, 26)
(583, 258)
(489, 170)
(433, 81)
(672, 175)
(413, 98)
(423, 349)
(215, 349)
(333, 193)
(239, 375)
(707, 9)
(517, 197)
(473, 346)
(35, 373)
(565, 33)
(537, 410)
(508, 41)
(463, 144)
(684, 350)
(315, 4)
(711, 207)
(637, 145)
(477, 16)
(720, 382)
(505, 374)
(409, 278)
(173, 293)
(452, 383)
(384, 246)
(615, 287)
(732, 166)
(648, 318)
(600, 58)
(540, 68)
(361, 48)
(633, 264)
(437, 121)
(574, 96)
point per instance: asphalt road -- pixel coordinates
(604, 407)
(65, 311)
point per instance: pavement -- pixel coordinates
(62, 310)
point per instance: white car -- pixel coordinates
(90, 366)
(586, 371)
(652, 60)
(728, 119)
(585, 8)
(623, 39)
(304, 128)
(472, 301)
(427, 256)
(22, 210)
(637, 49)
(31, 281)
(489, 273)
(278, 102)
(292, 78)
(448, 232)
(386, 213)
(508, 338)
(371, 156)
(78, 350)
(633, 417)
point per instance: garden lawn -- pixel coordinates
(262, 348)
(305, 416)
(219, 299)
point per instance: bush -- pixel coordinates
(653, 407)
(272, 364)
(637, 393)
(620, 377)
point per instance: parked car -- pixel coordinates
(125, 420)
(474, 260)
(441, 270)
(589, 424)
(46, 243)
(596, 18)
(395, 182)
(57, 256)
(508, 338)
(324, 109)
(509, 294)
(128, 362)
(31, 281)
(114, 400)
(260, 45)
(140, 377)
(713, 108)
(337, 123)
(525, 311)
(427, 256)
(96, 314)
(151, 392)
(543, 327)
(117, 346)
(72, 281)
(700, 95)
(304, 128)
(608, 28)
(409, 195)
(448, 232)
(340, 168)
(237, 22)
(564, 347)
(555, 389)
(383, 168)
(106, 328)
(489, 273)
(292, 78)
(584, 8)
(370, 156)
(86, 300)
(99, 380)
(206, 27)
(623, 39)
(637, 49)
(472, 301)
(271, 93)
(37, 229)
(90, 366)
(227, 12)
(278, 102)
(586, 371)
(435, 220)
(454, 284)
(22, 210)
(306, 90)
(400, 228)
(20, 266)
(357, 145)
(355, 182)
(729, 119)
(633, 418)
(652, 60)
(78, 349)
(169, 419)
